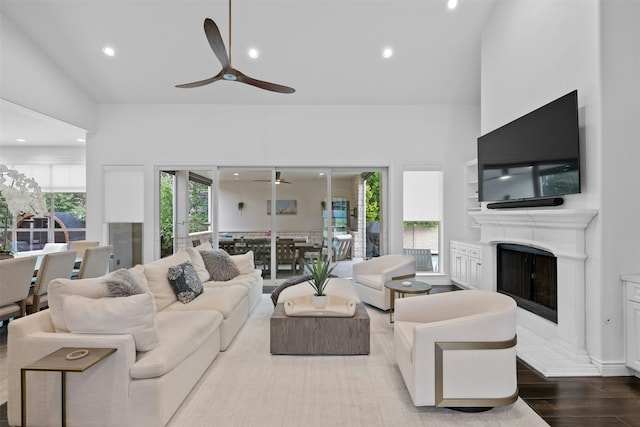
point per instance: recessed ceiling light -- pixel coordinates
(109, 51)
(452, 4)
(387, 52)
(21, 140)
(236, 174)
(253, 53)
(81, 140)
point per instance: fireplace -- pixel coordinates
(529, 276)
(554, 348)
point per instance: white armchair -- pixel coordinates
(457, 349)
(370, 276)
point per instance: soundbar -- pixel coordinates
(533, 203)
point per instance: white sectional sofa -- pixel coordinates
(157, 362)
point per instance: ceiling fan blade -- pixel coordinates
(216, 42)
(243, 78)
(202, 82)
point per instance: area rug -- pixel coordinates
(247, 386)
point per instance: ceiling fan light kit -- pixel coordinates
(229, 73)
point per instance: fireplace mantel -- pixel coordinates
(562, 232)
(571, 219)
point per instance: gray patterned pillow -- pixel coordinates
(121, 283)
(220, 265)
(185, 282)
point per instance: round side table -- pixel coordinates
(404, 286)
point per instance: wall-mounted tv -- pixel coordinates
(534, 157)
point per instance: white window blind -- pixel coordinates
(422, 196)
(56, 178)
(123, 193)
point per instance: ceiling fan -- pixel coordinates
(228, 72)
(278, 179)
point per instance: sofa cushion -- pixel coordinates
(372, 281)
(219, 264)
(181, 332)
(185, 282)
(224, 300)
(96, 287)
(135, 315)
(204, 246)
(156, 273)
(198, 264)
(244, 262)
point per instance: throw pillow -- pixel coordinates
(198, 264)
(204, 246)
(59, 289)
(156, 273)
(121, 283)
(185, 282)
(220, 265)
(244, 263)
(135, 315)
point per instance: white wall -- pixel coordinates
(200, 136)
(31, 79)
(254, 218)
(620, 208)
(536, 51)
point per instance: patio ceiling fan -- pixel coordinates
(228, 72)
(278, 179)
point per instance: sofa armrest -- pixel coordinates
(109, 379)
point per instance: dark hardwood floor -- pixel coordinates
(581, 401)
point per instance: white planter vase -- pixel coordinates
(319, 301)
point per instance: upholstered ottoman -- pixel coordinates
(320, 335)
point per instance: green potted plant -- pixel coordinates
(320, 271)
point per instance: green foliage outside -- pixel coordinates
(73, 203)
(198, 207)
(373, 197)
(5, 223)
(198, 210)
(425, 224)
(166, 214)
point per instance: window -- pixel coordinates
(422, 216)
(63, 188)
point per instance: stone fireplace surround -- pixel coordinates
(552, 349)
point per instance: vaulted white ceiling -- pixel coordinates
(330, 51)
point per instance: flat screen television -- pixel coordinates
(534, 157)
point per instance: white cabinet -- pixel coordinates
(465, 264)
(632, 320)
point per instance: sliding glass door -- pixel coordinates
(287, 216)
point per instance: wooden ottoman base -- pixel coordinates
(320, 335)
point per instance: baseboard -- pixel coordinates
(613, 369)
